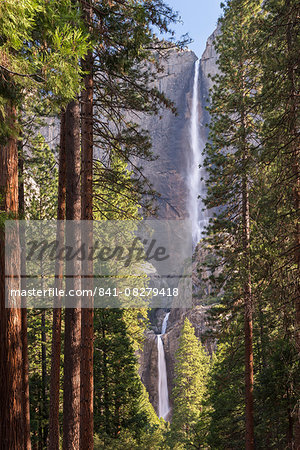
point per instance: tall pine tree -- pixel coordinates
(191, 371)
(230, 158)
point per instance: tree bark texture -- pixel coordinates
(12, 430)
(87, 329)
(71, 400)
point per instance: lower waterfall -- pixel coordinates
(163, 393)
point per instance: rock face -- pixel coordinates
(199, 319)
(171, 141)
(170, 134)
(149, 367)
(208, 62)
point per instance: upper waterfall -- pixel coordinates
(196, 185)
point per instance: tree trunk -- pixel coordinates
(105, 378)
(53, 442)
(87, 329)
(248, 326)
(44, 378)
(26, 404)
(248, 322)
(12, 430)
(293, 127)
(71, 419)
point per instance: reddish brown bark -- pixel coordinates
(53, 441)
(248, 320)
(11, 370)
(249, 370)
(248, 323)
(26, 404)
(44, 427)
(87, 329)
(247, 283)
(71, 400)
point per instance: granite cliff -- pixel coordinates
(169, 174)
(170, 134)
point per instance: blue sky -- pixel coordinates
(200, 19)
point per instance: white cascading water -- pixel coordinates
(163, 393)
(199, 220)
(195, 185)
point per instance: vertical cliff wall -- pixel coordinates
(170, 133)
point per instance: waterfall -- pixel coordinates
(196, 187)
(163, 393)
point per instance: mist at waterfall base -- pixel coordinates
(163, 392)
(196, 186)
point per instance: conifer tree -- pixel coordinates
(191, 371)
(115, 81)
(26, 399)
(71, 404)
(12, 430)
(280, 136)
(40, 177)
(122, 407)
(37, 54)
(230, 161)
(268, 40)
(225, 393)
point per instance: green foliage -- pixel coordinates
(17, 20)
(148, 441)
(257, 59)
(39, 43)
(115, 197)
(39, 354)
(226, 393)
(40, 180)
(122, 407)
(191, 371)
(39, 53)
(276, 395)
